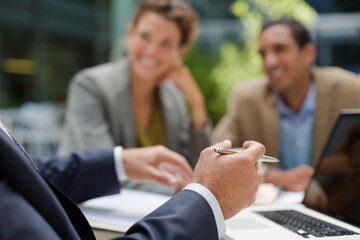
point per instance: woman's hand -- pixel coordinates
(157, 163)
(182, 77)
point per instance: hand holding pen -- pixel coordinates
(264, 158)
(232, 179)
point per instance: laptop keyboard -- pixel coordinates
(305, 225)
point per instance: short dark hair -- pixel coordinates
(178, 11)
(300, 33)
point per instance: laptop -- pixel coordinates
(331, 205)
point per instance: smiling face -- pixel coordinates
(153, 46)
(285, 63)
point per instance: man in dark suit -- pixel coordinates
(33, 207)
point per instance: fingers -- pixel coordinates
(303, 170)
(162, 177)
(171, 74)
(306, 168)
(166, 178)
(224, 144)
(246, 144)
(177, 163)
(174, 171)
(168, 167)
(254, 149)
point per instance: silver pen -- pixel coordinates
(264, 158)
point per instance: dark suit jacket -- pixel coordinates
(31, 207)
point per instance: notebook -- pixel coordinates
(331, 206)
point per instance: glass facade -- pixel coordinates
(43, 43)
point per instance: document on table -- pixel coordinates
(119, 212)
(266, 194)
(270, 194)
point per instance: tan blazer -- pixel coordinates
(252, 113)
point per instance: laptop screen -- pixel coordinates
(335, 187)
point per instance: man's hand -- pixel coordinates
(158, 164)
(294, 179)
(232, 178)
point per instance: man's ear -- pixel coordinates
(310, 52)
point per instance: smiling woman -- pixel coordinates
(153, 47)
(141, 100)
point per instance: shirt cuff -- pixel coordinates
(215, 207)
(119, 164)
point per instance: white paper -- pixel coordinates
(266, 194)
(122, 210)
(288, 197)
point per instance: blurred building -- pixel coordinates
(43, 43)
(337, 36)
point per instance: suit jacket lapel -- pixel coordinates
(74, 213)
(270, 121)
(23, 177)
(322, 116)
(125, 118)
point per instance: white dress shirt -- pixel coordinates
(200, 189)
(2, 127)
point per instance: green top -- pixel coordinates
(155, 134)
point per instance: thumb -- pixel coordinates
(162, 177)
(224, 144)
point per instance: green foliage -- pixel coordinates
(201, 61)
(238, 61)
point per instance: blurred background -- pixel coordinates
(44, 42)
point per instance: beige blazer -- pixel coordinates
(99, 114)
(252, 113)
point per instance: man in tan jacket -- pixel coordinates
(293, 108)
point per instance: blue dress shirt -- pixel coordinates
(296, 130)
